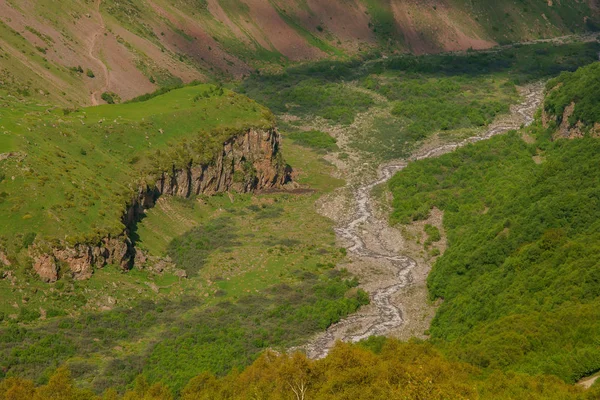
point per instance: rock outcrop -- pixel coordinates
(248, 162)
(45, 267)
(566, 130)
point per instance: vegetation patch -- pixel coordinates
(314, 139)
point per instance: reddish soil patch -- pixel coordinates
(283, 37)
(124, 78)
(413, 36)
(429, 30)
(347, 21)
(203, 48)
(163, 59)
(219, 14)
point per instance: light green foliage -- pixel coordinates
(433, 234)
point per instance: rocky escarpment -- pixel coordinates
(566, 130)
(247, 162)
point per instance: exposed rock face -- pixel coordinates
(4, 261)
(566, 130)
(45, 266)
(248, 162)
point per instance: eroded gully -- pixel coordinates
(368, 245)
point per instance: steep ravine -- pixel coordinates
(247, 162)
(377, 251)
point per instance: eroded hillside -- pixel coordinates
(95, 51)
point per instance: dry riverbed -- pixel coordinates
(389, 261)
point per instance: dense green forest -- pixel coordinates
(520, 278)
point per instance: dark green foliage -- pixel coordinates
(382, 22)
(90, 73)
(520, 276)
(232, 334)
(581, 87)
(191, 250)
(310, 90)
(77, 69)
(314, 139)
(313, 96)
(522, 63)
(28, 239)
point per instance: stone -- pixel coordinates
(45, 266)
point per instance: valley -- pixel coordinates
(368, 240)
(209, 199)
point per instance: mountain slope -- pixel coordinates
(520, 276)
(131, 47)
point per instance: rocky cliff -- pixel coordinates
(248, 162)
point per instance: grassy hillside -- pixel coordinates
(74, 53)
(519, 278)
(68, 173)
(581, 88)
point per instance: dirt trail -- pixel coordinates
(588, 381)
(94, 42)
(367, 239)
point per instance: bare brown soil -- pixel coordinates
(283, 37)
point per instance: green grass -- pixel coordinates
(80, 167)
(317, 140)
(273, 288)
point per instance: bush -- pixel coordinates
(108, 97)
